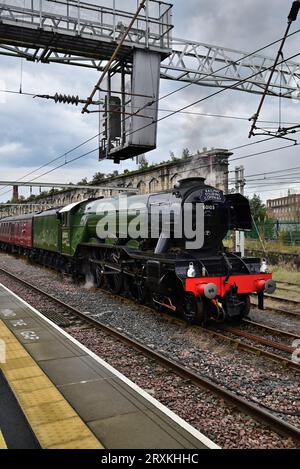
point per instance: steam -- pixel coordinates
(89, 282)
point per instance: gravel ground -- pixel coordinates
(256, 378)
(277, 320)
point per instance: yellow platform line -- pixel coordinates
(2, 441)
(52, 419)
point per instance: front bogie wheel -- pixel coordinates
(245, 308)
(194, 310)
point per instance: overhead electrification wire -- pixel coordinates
(252, 190)
(284, 179)
(266, 152)
(223, 116)
(201, 114)
(213, 94)
(281, 177)
(271, 182)
(20, 92)
(179, 172)
(291, 18)
(60, 166)
(192, 104)
(252, 143)
(208, 97)
(269, 190)
(273, 172)
(97, 135)
(63, 155)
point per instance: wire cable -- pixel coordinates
(208, 97)
(200, 114)
(63, 155)
(188, 106)
(195, 82)
(179, 172)
(273, 172)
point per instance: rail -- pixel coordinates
(262, 415)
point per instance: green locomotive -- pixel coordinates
(156, 265)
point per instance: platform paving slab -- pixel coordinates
(118, 413)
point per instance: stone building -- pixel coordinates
(285, 208)
(212, 165)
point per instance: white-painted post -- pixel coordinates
(41, 7)
(147, 23)
(242, 191)
(240, 187)
(78, 18)
(114, 19)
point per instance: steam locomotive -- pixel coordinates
(138, 246)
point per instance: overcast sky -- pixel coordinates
(35, 131)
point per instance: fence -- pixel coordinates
(271, 230)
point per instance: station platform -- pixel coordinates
(55, 393)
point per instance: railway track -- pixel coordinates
(272, 303)
(218, 332)
(268, 418)
(288, 287)
(267, 329)
(284, 300)
(259, 339)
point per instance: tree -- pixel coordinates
(172, 156)
(31, 198)
(98, 178)
(53, 191)
(83, 182)
(185, 153)
(143, 163)
(258, 209)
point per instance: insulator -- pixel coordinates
(66, 98)
(294, 11)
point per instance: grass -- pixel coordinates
(285, 274)
(270, 246)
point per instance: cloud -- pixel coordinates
(12, 149)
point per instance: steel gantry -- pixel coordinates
(216, 66)
(132, 49)
(85, 34)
